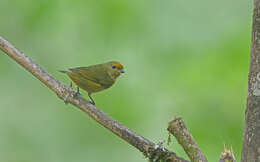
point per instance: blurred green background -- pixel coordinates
(182, 58)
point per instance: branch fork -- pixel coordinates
(155, 152)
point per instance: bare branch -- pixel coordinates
(67, 94)
(177, 128)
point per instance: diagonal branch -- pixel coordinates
(151, 150)
(177, 128)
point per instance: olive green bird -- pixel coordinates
(95, 78)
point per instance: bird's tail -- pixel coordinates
(63, 71)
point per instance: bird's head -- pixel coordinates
(115, 68)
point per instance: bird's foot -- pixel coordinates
(93, 103)
(77, 93)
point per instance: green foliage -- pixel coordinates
(182, 58)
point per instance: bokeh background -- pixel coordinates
(182, 58)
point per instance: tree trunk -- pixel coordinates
(251, 143)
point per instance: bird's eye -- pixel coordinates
(113, 66)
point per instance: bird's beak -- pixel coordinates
(121, 71)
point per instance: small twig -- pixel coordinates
(227, 156)
(67, 94)
(177, 128)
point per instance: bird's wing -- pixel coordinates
(90, 73)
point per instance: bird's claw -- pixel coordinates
(93, 103)
(77, 93)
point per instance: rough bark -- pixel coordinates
(251, 143)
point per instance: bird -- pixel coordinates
(95, 78)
